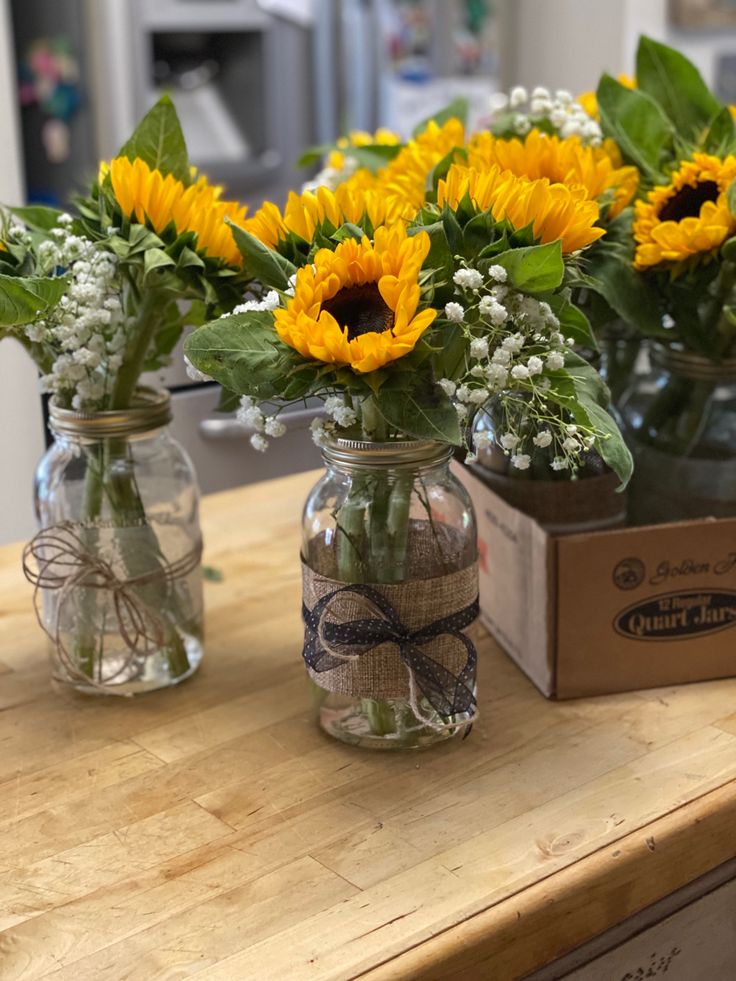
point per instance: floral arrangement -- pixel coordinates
(669, 269)
(96, 297)
(419, 281)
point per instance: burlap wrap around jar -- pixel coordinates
(390, 586)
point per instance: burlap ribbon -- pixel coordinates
(394, 641)
(65, 563)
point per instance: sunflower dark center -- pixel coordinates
(361, 309)
(688, 201)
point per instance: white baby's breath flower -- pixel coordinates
(518, 96)
(509, 441)
(498, 273)
(571, 429)
(478, 396)
(479, 348)
(520, 372)
(469, 279)
(497, 375)
(521, 461)
(252, 417)
(274, 427)
(462, 394)
(482, 440)
(559, 463)
(535, 365)
(555, 361)
(543, 438)
(571, 445)
(454, 312)
(462, 411)
(259, 442)
(448, 386)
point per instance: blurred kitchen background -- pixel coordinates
(255, 83)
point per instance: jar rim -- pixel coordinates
(690, 364)
(405, 453)
(151, 409)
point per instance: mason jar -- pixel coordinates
(117, 563)
(390, 587)
(561, 504)
(679, 420)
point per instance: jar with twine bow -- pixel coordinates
(390, 586)
(117, 563)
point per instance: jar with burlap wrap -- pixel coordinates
(116, 565)
(390, 588)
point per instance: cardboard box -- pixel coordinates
(607, 611)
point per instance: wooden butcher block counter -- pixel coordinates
(212, 831)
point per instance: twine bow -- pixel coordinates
(328, 644)
(64, 563)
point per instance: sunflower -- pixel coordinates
(689, 217)
(405, 177)
(554, 210)
(148, 195)
(305, 212)
(357, 305)
(393, 194)
(562, 161)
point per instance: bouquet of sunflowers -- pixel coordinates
(411, 292)
(97, 297)
(671, 273)
(408, 286)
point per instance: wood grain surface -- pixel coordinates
(213, 831)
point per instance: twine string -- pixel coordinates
(329, 643)
(64, 563)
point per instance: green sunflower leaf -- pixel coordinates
(421, 410)
(579, 388)
(243, 353)
(155, 259)
(534, 269)
(721, 137)
(262, 263)
(610, 273)
(37, 216)
(573, 322)
(23, 300)
(159, 141)
(677, 86)
(731, 197)
(637, 123)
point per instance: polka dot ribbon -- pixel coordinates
(328, 645)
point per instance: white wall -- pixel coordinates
(568, 43)
(21, 423)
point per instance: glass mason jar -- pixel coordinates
(117, 563)
(389, 556)
(680, 423)
(562, 505)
